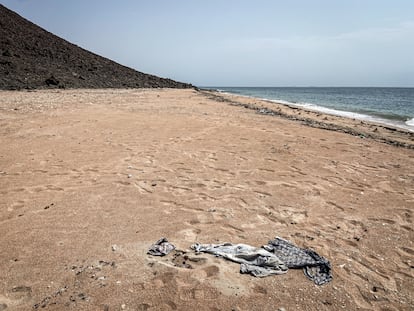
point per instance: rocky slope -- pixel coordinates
(31, 57)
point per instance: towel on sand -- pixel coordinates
(256, 261)
(273, 258)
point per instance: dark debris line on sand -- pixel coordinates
(315, 123)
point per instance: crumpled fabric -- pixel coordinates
(256, 261)
(274, 258)
(161, 248)
(315, 267)
(259, 271)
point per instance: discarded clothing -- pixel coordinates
(259, 271)
(315, 267)
(161, 248)
(274, 258)
(256, 261)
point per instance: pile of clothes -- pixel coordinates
(276, 257)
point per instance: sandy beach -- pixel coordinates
(89, 179)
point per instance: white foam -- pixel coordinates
(340, 113)
(410, 122)
(409, 125)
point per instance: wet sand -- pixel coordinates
(89, 179)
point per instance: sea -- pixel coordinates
(386, 105)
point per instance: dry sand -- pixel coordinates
(90, 179)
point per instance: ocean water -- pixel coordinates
(391, 106)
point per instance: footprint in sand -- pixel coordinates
(18, 189)
(262, 194)
(189, 235)
(407, 251)
(383, 220)
(143, 187)
(211, 271)
(260, 290)
(15, 297)
(292, 216)
(190, 293)
(232, 229)
(16, 206)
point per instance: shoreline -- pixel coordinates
(386, 133)
(90, 179)
(332, 111)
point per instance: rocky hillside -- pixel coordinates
(31, 57)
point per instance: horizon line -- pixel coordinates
(298, 86)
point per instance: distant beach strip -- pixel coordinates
(390, 106)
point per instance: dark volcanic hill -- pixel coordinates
(31, 57)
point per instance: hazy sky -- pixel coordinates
(242, 43)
